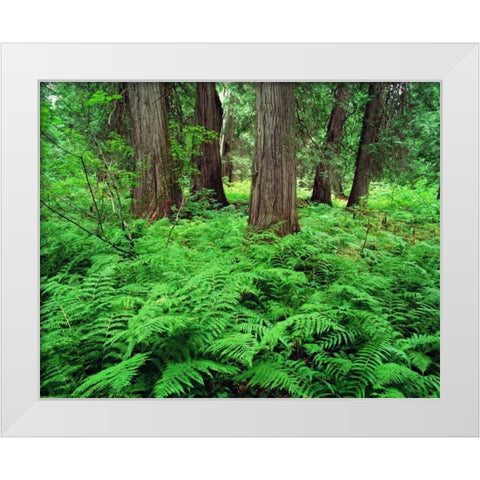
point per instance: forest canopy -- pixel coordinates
(226, 240)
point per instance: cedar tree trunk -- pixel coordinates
(336, 181)
(208, 114)
(372, 120)
(273, 196)
(325, 175)
(226, 142)
(322, 190)
(157, 189)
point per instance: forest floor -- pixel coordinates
(348, 307)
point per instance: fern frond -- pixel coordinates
(178, 378)
(251, 323)
(420, 361)
(417, 340)
(113, 380)
(58, 378)
(274, 376)
(236, 348)
(306, 325)
(389, 392)
(340, 337)
(337, 366)
(363, 372)
(395, 374)
(277, 333)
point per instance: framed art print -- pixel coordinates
(240, 240)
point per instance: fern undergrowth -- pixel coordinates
(337, 310)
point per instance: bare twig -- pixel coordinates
(176, 221)
(369, 226)
(92, 195)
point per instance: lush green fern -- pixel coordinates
(279, 377)
(112, 381)
(220, 312)
(179, 378)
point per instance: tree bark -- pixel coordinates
(372, 121)
(226, 143)
(208, 114)
(273, 197)
(157, 189)
(324, 173)
(322, 190)
(336, 181)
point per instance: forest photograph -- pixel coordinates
(239, 239)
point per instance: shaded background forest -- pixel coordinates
(167, 264)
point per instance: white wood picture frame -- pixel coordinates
(455, 413)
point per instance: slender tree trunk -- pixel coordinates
(372, 120)
(208, 114)
(157, 189)
(226, 141)
(336, 181)
(325, 171)
(273, 197)
(322, 190)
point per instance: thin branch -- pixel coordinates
(108, 179)
(82, 160)
(306, 129)
(100, 237)
(176, 221)
(92, 195)
(369, 226)
(53, 142)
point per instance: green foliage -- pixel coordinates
(238, 103)
(85, 170)
(112, 381)
(186, 141)
(178, 378)
(100, 97)
(223, 314)
(196, 306)
(314, 106)
(409, 143)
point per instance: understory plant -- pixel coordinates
(348, 307)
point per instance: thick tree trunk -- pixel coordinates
(273, 197)
(208, 114)
(372, 120)
(325, 174)
(157, 189)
